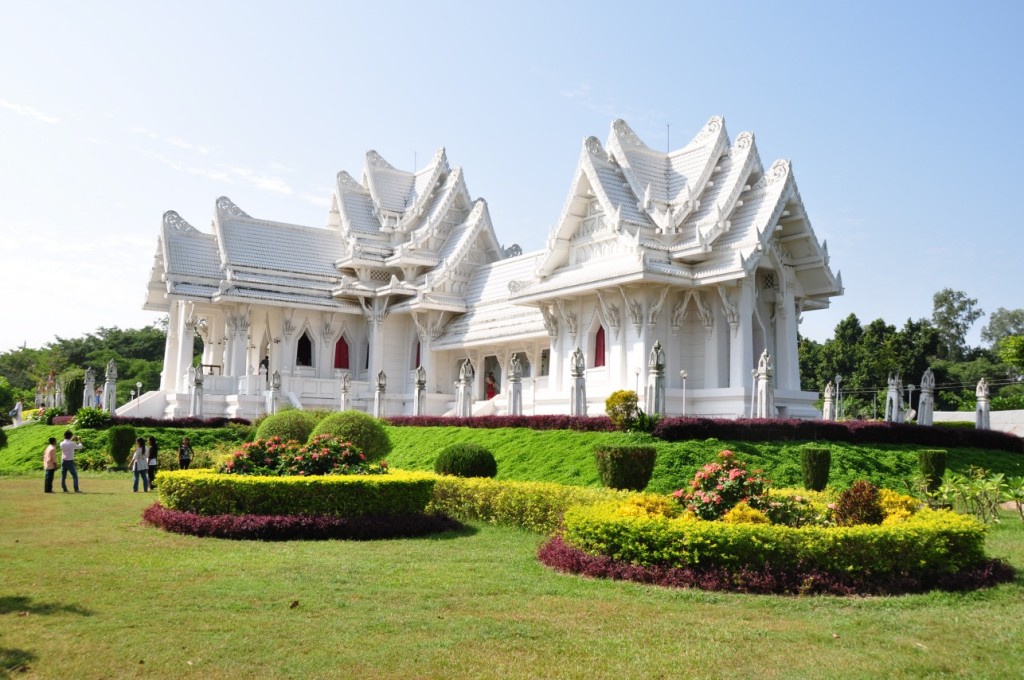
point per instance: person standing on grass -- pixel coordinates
(152, 450)
(67, 460)
(184, 454)
(140, 466)
(50, 464)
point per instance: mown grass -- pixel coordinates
(567, 457)
(89, 592)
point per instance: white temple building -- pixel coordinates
(701, 249)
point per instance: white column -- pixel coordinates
(186, 339)
(715, 342)
(169, 376)
(741, 350)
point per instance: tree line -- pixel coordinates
(28, 372)
(866, 355)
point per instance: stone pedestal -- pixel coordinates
(110, 388)
(515, 387)
(655, 398)
(981, 409)
(464, 390)
(419, 398)
(379, 396)
(926, 402)
(346, 387)
(578, 396)
(894, 400)
(828, 409)
(765, 389)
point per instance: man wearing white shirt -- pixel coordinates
(67, 462)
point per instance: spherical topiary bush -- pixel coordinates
(290, 424)
(363, 430)
(625, 467)
(466, 460)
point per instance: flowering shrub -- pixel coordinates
(260, 457)
(719, 486)
(92, 418)
(795, 510)
(328, 455)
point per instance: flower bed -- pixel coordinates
(767, 579)
(552, 422)
(297, 527)
(928, 549)
(205, 492)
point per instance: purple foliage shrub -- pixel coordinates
(554, 422)
(297, 527)
(853, 431)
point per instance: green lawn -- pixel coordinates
(86, 591)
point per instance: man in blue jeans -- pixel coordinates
(67, 460)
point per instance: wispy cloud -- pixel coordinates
(29, 111)
(263, 181)
(577, 92)
(323, 201)
(228, 174)
(173, 141)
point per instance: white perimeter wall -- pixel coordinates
(1005, 421)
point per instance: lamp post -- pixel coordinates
(682, 374)
(131, 393)
(637, 371)
(839, 397)
(138, 387)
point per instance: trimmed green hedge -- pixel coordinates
(206, 492)
(534, 506)
(929, 543)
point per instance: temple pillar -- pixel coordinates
(741, 349)
(168, 377)
(186, 340)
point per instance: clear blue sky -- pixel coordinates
(901, 120)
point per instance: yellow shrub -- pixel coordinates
(648, 505)
(897, 504)
(742, 513)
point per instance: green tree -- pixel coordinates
(1011, 351)
(1002, 323)
(953, 314)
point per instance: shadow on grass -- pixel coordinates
(464, 532)
(14, 603)
(14, 661)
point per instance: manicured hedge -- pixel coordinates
(534, 506)
(297, 527)
(854, 431)
(209, 493)
(555, 422)
(929, 544)
(177, 422)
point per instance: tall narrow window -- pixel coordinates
(304, 351)
(599, 347)
(341, 353)
(417, 364)
(545, 361)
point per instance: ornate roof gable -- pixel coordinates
(667, 184)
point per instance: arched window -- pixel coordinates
(341, 353)
(304, 351)
(599, 351)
